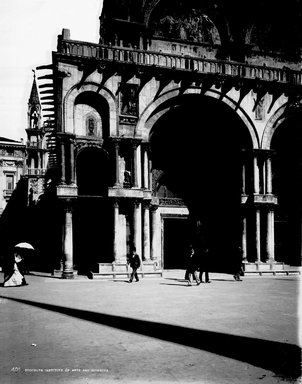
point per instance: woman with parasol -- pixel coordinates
(14, 270)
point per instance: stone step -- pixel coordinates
(126, 275)
(277, 268)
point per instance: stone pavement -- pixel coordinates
(158, 330)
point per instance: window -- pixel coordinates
(10, 182)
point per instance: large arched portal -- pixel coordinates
(93, 237)
(198, 145)
(287, 184)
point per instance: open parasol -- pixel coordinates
(24, 246)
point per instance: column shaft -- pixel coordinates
(146, 169)
(115, 230)
(72, 164)
(256, 176)
(63, 172)
(137, 227)
(244, 239)
(135, 180)
(117, 164)
(268, 178)
(154, 233)
(270, 236)
(258, 244)
(68, 246)
(146, 250)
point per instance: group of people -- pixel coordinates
(200, 263)
(14, 270)
(193, 267)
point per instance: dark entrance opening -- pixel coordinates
(197, 144)
(93, 234)
(176, 235)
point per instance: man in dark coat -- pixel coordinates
(134, 262)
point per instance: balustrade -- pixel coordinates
(179, 62)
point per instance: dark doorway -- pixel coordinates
(93, 234)
(176, 242)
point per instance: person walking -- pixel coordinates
(191, 272)
(238, 270)
(134, 262)
(204, 266)
(14, 271)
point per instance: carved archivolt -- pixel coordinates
(81, 145)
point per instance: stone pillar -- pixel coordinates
(117, 164)
(146, 169)
(72, 162)
(244, 239)
(256, 175)
(139, 166)
(268, 175)
(115, 229)
(150, 174)
(243, 185)
(154, 232)
(257, 237)
(68, 244)
(63, 172)
(137, 227)
(135, 169)
(146, 233)
(270, 236)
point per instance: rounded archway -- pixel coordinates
(197, 144)
(287, 186)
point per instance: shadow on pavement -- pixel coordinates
(281, 358)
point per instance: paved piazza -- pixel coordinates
(156, 331)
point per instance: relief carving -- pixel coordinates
(192, 25)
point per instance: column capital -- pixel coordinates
(136, 202)
(146, 204)
(115, 202)
(135, 142)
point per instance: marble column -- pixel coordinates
(117, 164)
(115, 229)
(257, 236)
(256, 175)
(135, 168)
(145, 169)
(63, 171)
(137, 226)
(270, 236)
(146, 231)
(268, 176)
(154, 233)
(244, 238)
(72, 162)
(68, 244)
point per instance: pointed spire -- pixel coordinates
(34, 95)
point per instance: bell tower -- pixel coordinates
(35, 145)
(35, 133)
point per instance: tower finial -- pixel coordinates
(34, 73)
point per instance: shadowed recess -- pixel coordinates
(281, 358)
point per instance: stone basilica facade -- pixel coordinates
(181, 126)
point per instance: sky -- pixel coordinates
(28, 35)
